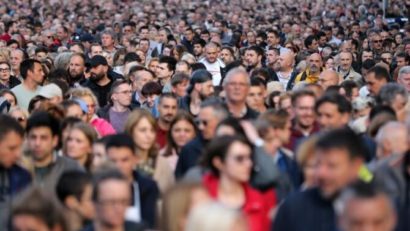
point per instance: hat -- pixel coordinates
(98, 60)
(50, 90)
(199, 76)
(86, 38)
(82, 104)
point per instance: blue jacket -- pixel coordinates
(189, 156)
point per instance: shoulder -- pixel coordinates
(67, 163)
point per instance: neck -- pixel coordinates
(164, 81)
(286, 70)
(29, 84)
(99, 226)
(4, 82)
(304, 129)
(104, 81)
(43, 162)
(236, 108)
(82, 160)
(142, 155)
(119, 108)
(164, 125)
(231, 192)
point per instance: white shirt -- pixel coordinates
(214, 69)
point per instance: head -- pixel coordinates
(201, 84)
(32, 70)
(95, 49)
(303, 103)
(98, 68)
(395, 96)
(74, 190)
(120, 94)
(111, 197)
(181, 130)
(42, 134)
(339, 155)
(11, 140)
(364, 206)
(36, 209)
(376, 78)
(211, 113)
(166, 67)
(199, 45)
(346, 60)
(236, 85)
(120, 150)
(333, 111)
(328, 78)
(392, 138)
(139, 76)
(227, 55)
(79, 143)
(141, 126)
(180, 84)
(211, 52)
(77, 66)
(86, 96)
(286, 61)
(230, 157)
(167, 107)
(278, 130)
(108, 39)
(315, 63)
(257, 94)
(5, 71)
(253, 56)
(404, 77)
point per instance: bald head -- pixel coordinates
(286, 60)
(392, 139)
(328, 78)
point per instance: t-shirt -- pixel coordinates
(215, 70)
(117, 119)
(24, 95)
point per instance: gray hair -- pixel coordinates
(62, 60)
(389, 131)
(404, 70)
(220, 110)
(389, 92)
(234, 72)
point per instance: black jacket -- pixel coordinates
(13, 81)
(307, 211)
(189, 156)
(149, 194)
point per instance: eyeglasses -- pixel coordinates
(4, 69)
(242, 158)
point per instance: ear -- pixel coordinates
(55, 141)
(345, 118)
(217, 162)
(71, 202)
(197, 87)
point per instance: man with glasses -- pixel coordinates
(7, 81)
(139, 76)
(119, 107)
(111, 198)
(377, 44)
(236, 86)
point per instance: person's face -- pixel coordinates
(122, 95)
(124, 159)
(198, 50)
(10, 98)
(183, 68)
(189, 35)
(250, 36)
(96, 50)
(284, 133)
(144, 134)
(16, 57)
(286, 104)
(367, 55)
(144, 33)
(329, 117)
(404, 79)
(61, 34)
(76, 49)
(182, 132)
(314, 45)
(363, 214)
(330, 64)
(40, 56)
(207, 122)
(4, 72)
(99, 155)
(211, 54)
(85, 205)
(335, 170)
(98, 73)
(107, 40)
(78, 146)
(10, 149)
(140, 78)
(91, 105)
(127, 30)
(387, 57)
(252, 58)
(181, 88)
(374, 85)
(238, 162)
(163, 72)
(41, 143)
(237, 88)
(114, 197)
(304, 111)
(162, 36)
(76, 67)
(167, 109)
(315, 63)
(377, 42)
(272, 57)
(345, 61)
(206, 89)
(26, 222)
(401, 61)
(255, 98)
(150, 100)
(272, 40)
(75, 111)
(153, 66)
(322, 41)
(226, 56)
(144, 45)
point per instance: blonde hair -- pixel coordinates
(306, 151)
(83, 92)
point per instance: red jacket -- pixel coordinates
(257, 205)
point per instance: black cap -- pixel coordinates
(199, 76)
(86, 38)
(97, 60)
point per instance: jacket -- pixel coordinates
(257, 205)
(102, 126)
(13, 81)
(149, 194)
(128, 226)
(189, 156)
(307, 77)
(307, 211)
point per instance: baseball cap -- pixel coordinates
(97, 60)
(50, 90)
(82, 104)
(86, 38)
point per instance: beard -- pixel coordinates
(314, 69)
(96, 77)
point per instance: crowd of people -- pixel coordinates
(179, 115)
